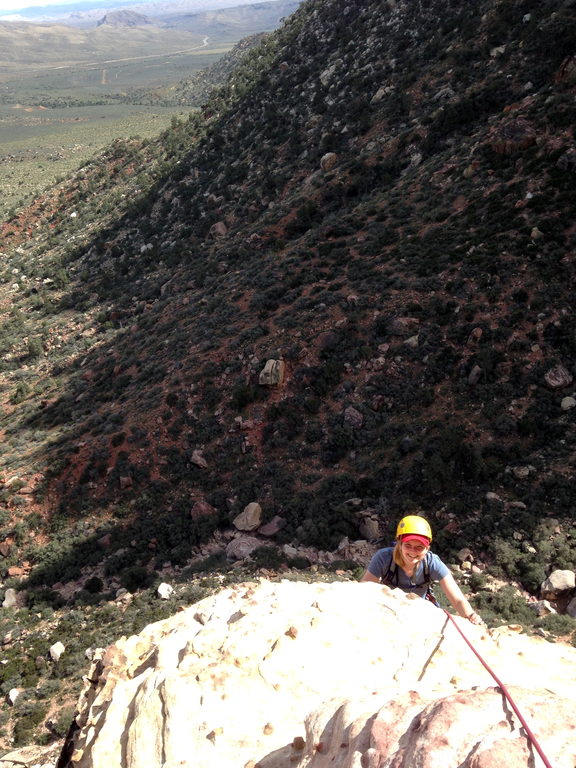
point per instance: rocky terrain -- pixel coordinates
(341, 292)
(256, 676)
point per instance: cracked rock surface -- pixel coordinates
(342, 674)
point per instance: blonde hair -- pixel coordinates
(397, 555)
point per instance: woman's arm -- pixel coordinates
(458, 601)
(370, 577)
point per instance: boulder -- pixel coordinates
(165, 591)
(5, 548)
(328, 161)
(403, 326)
(558, 377)
(201, 508)
(13, 695)
(273, 527)
(542, 608)
(272, 374)
(513, 136)
(219, 229)
(250, 517)
(31, 757)
(558, 582)
(294, 674)
(369, 524)
(10, 598)
(57, 650)
(465, 729)
(242, 547)
(198, 459)
(353, 418)
(475, 375)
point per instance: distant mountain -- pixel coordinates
(42, 12)
(88, 12)
(233, 22)
(124, 18)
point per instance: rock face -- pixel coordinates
(342, 674)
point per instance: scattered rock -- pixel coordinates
(5, 548)
(272, 374)
(353, 417)
(512, 137)
(558, 377)
(165, 591)
(250, 518)
(273, 527)
(542, 608)
(465, 555)
(13, 694)
(105, 541)
(558, 581)
(56, 651)
(198, 460)
(201, 508)
(242, 547)
(328, 161)
(403, 326)
(521, 473)
(413, 342)
(475, 375)
(32, 757)
(568, 403)
(219, 229)
(10, 598)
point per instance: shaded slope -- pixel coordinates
(417, 283)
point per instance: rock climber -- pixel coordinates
(411, 566)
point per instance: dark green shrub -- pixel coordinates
(35, 348)
(94, 585)
(505, 605)
(30, 714)
(135, 578)
(21, 392)
(267, 556)
(557, 624)
(243, 395)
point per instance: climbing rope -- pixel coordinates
(506, 694)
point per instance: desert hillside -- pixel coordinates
(341, 291)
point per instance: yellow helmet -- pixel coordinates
(414, 524)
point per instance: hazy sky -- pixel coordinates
(11, 5)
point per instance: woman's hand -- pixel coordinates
(458, 601)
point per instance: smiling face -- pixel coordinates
(413, 552)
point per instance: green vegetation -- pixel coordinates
(389, 220)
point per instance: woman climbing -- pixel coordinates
(411, 566)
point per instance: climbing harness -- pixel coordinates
(506, 694)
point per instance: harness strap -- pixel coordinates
(390, 578)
